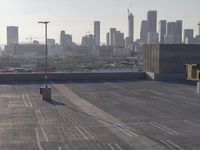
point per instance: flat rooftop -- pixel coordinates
(124, 115)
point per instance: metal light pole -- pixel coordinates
(199, 28)
(46, 52)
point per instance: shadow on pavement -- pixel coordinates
(55, 102)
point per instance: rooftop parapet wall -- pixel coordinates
(64, 77)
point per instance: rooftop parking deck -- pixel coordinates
(121, 115)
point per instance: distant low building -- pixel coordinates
(121, 52)
(103, 51)
(26, 50)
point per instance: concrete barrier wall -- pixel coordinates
(166, 76)
(64, 77)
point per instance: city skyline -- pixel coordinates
(25, 16)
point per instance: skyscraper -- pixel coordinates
(144, 31)
(163, 30)
(51, 42)
(131, 27)
(12, 35)
(188, 35)
(65, 39)
(68, 39)
(111, 39)
(152, 38)
(88, 41)
(172, 28)
(108, 39)
(179, 30)
(174, 33)
(152, 20)
(171, 36)
(118, 39)
(97, 33)
(62, 38)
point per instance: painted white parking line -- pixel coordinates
(173, 131)
(87, 132)
(38, 139)
(135, 124)
(161, 128)
(164, 128)
(192, 123)
(126, 131)
(59, 148)
(9, 96)
(168, 145)
(59, 132)
(69, 135)
(29, 100)
(44, 134)
(25, 103)
(175, 145)
(119, 147)
(156, 92)
(111, 147)
(36, 98)
(84, 136)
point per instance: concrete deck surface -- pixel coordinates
(122, 115)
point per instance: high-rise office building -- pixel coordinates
(88, 40)
(179, 30)
(51, 42)
(118, 39)
(12, 35)
(188, 35)
(111, 39)
(97, 33)
(68, 39)
(108, 39)
(62, 38)
(131, 27)
(152, 38)
(152, 21)
(144, 31)
(163, 30)
(172, 28)
(174, 33)
(65, 39)
(128, 43)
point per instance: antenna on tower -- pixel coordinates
(130, 5)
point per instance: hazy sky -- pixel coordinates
(77, 16)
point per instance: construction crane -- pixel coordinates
(88, 32)
(31, 39)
